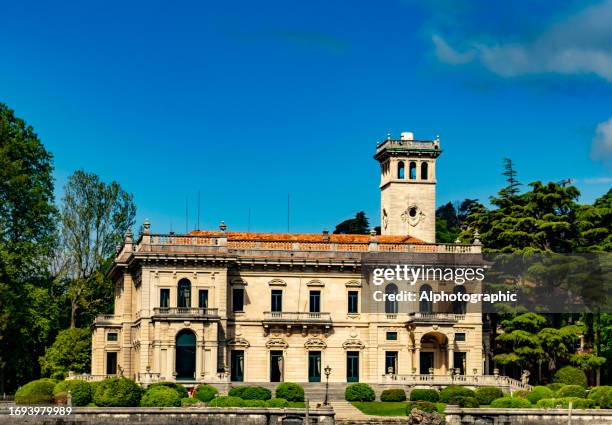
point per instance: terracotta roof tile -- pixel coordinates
(306, 237)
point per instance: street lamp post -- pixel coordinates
(327, 371)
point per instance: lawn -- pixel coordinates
(387, 408)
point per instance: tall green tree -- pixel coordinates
(359, 225)
(450, 219)
(94, 218)
(28, 317)
(71, 351)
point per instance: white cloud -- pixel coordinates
(601, 149)
(579, 44)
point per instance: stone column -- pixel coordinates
(417, 358)
(410, 359)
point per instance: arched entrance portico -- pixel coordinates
(185, 355)
(433, 354)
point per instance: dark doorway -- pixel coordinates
(427, 361)
(111, 363)
(352, 366)
(314, 366)
(237, 366)
(185, 355)
(276, 366)
(459, 362)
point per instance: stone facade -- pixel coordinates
(219, 306)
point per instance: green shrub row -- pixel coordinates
(251, 393)
(577, 403)
(419, 394)
(232, 401)
(359, 392)
(511, 402)
(394, 394)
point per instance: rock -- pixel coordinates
(423, 418)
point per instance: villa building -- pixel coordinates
(222, 306)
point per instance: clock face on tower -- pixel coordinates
(413, 215)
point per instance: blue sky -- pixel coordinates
(249, 101)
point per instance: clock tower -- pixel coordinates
(408, 186)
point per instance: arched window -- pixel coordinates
(425, 305)
(459, 307)
(390, 305)
(424, 167)
(185, 354)
(412, 171)
(184, 293)
(400, 170)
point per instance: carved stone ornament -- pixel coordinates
(238, 342)
(315, 343)
(413, 215)
(385, 218)
(353, 344)
(276, 343)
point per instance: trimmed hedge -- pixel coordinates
(513, 402)
(254, 403)
(538, 393)
(290, 391)
(161, 396)
(417, 394)
(455, 391)
(577, 403)
(485, 395)
(555, 386)
(359, 392)
(117, 392)
(571, 391)
(206, 392)
(277, 402)
(520, 393)
(393, 394)
(80, 391)
(36, 392)
(425, 406)
(226, 401)
(464, 401)
(598, 394)
(178, 387)
(570, 375)
(251, 393)
(188, 401)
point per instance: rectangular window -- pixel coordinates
(203, 298)
(391, 336)
(353, 302)
(352, 366)
(111, 363)
(277, 300)
(315, 301)
(459, 337)
(111, 336)
(164, 298)
(391, 362)
(238, 299)
(314, 366)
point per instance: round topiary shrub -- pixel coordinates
(178, 387)
(80, 391)
(570, 375)
(577, 402)
(188, 401)
(538, 393)
(206, 392)
(226, 401)
(393, 394)
(251, 393)
(464, 401)
(36, 392)
(554, 387)
(571, 391)
(455, 391)
(547, 403)
(290, 391)
(598, 394)
(425, 395)
(512, 402)
(485, 395)
(254, 403)
(161, 396)
(425, 406)
(117, 392)
(277, 402)
(359, 392)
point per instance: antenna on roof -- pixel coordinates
(249, 222)
(198, 209)
(186, 214)
(288, 212)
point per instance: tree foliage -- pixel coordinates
(71, 351)
(359, 225)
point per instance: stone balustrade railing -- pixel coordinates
(465, 380)
(296, 316)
